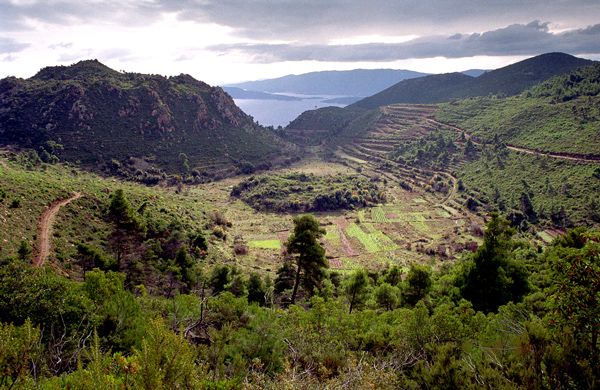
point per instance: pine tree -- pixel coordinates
(309, 254)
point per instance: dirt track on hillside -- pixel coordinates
(564, 156)
(45, 228)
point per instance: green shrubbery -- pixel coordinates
(300, 192)
(367, 329)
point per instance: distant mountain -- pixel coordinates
(239, 93)
(509, 80)
(106, 119)
(515, 78)
(359, 82)
(475, 72)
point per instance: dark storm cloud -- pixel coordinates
(308, 21)
(318, 21)
(517, 39)
(449, 28)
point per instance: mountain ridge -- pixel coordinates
(178, 124)
(358, 82)
(508, 80)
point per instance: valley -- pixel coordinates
(155, 236)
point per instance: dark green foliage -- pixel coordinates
(492, 278)
(121, 211)
(90, 258)
(393, 276)
(41, 296)
(190, 341)
(189, 268)
(387, 296)
(219, 278)
(309, 254)
(200, 242)
(256, 289)
(24, 252)
(285, 277)
(247, 168)
(576, 288)
(356, 290)
(417, 284)
(299, 192)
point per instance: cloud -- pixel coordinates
(516, 39)
(61, 45)
(9, 45)
(306, 21)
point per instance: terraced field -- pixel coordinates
(412, 226)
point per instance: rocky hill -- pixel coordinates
(95, 116)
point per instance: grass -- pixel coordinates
(373, 242)
(266, 244)
(377, 215)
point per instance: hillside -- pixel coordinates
(509, 80)
(542, 143)
(422, 90)
(359, 82)
(117, 122)
(404, 277)
(146, 287)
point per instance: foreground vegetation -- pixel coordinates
(509, 316)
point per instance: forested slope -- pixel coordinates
(124, 122)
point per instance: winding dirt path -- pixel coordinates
(45, 228)
(5, 165)
(563, 156)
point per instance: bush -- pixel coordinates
(240, 249)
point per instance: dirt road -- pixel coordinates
(45, 229)
(564, 156)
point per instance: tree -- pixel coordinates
(127, 225)
(357, 288)
(188, 266)
(576, 289)
(220, 277)
(121, 211)
(492, 278)
(418, 283)
(256, 289)
(387, 296)
(394, 276)
(309, 254)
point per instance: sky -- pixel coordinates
(228, 41)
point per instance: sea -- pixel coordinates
(281, 112)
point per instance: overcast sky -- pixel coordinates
(225, 41)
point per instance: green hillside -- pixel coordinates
(423, 90)
(561, 115)
(509, 80)
(530, 156)
(124, 122)
(148, 288)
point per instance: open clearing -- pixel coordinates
(412, 227)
